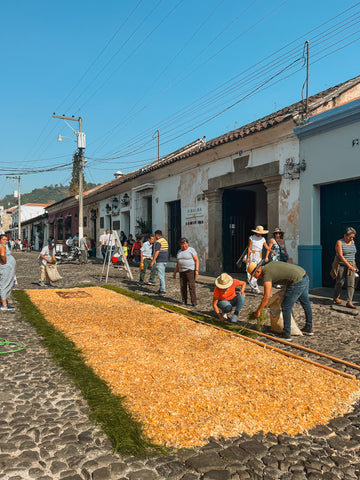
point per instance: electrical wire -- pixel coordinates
(219, 100)
(101, 53)
(184, 112)
(166, 89)
(113, 56)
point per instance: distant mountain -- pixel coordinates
(46, 195)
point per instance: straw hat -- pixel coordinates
(224, 281)
(278, 230)
(252, 267)
(260, 229)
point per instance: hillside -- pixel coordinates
(45, 195)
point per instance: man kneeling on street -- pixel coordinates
(225, 299)
(297, 288)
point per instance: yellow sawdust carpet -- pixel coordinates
(186, 381)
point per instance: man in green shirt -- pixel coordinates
(297, 288)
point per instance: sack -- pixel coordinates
(283, 257)
(334, 267)
(52, 272)
(277, 321)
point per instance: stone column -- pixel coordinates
(272, 185)
(214, 262)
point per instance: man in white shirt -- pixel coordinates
(102, 243)
(47, 255)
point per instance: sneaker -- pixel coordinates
(234, 318)
(255, 290)
(307, 331)
(150, 283)
(42, 284)
(162, 294)
(7, 308)
(286, 336)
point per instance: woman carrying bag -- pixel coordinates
(277, 244)
(346, 268)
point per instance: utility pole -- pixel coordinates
(158, 143)
(307, 79)
(19, 205)
(81, 144)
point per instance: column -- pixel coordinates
(214, 262)
(272, 185)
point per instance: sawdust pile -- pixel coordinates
(186, 381)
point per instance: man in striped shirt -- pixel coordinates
(160, 258)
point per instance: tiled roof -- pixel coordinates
(290, 112)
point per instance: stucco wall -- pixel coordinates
(330, 157)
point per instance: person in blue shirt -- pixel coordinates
(160, 259)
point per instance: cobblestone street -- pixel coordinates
(46, 433)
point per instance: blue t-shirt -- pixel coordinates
(161, 246)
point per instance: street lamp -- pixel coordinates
(81, 144)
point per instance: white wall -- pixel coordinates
(329, 157)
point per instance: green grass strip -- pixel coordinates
(106, 409)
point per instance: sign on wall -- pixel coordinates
(194, 215)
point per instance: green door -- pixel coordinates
(174, 227)
(339, 209)
(238, 220)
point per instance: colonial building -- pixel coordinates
(215, 192)
(329, 187)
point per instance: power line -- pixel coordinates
(195, 107)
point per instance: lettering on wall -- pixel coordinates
(194, 216)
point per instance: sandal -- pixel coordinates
(350, 305)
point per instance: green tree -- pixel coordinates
(75, 176)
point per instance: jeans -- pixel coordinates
(160, 270)
(299, 291)
(152, 269)
(227, 305)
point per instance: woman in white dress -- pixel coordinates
(7, 273)
(256, 244)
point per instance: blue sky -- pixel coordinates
(186, 68)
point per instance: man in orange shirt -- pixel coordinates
(225, 298)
